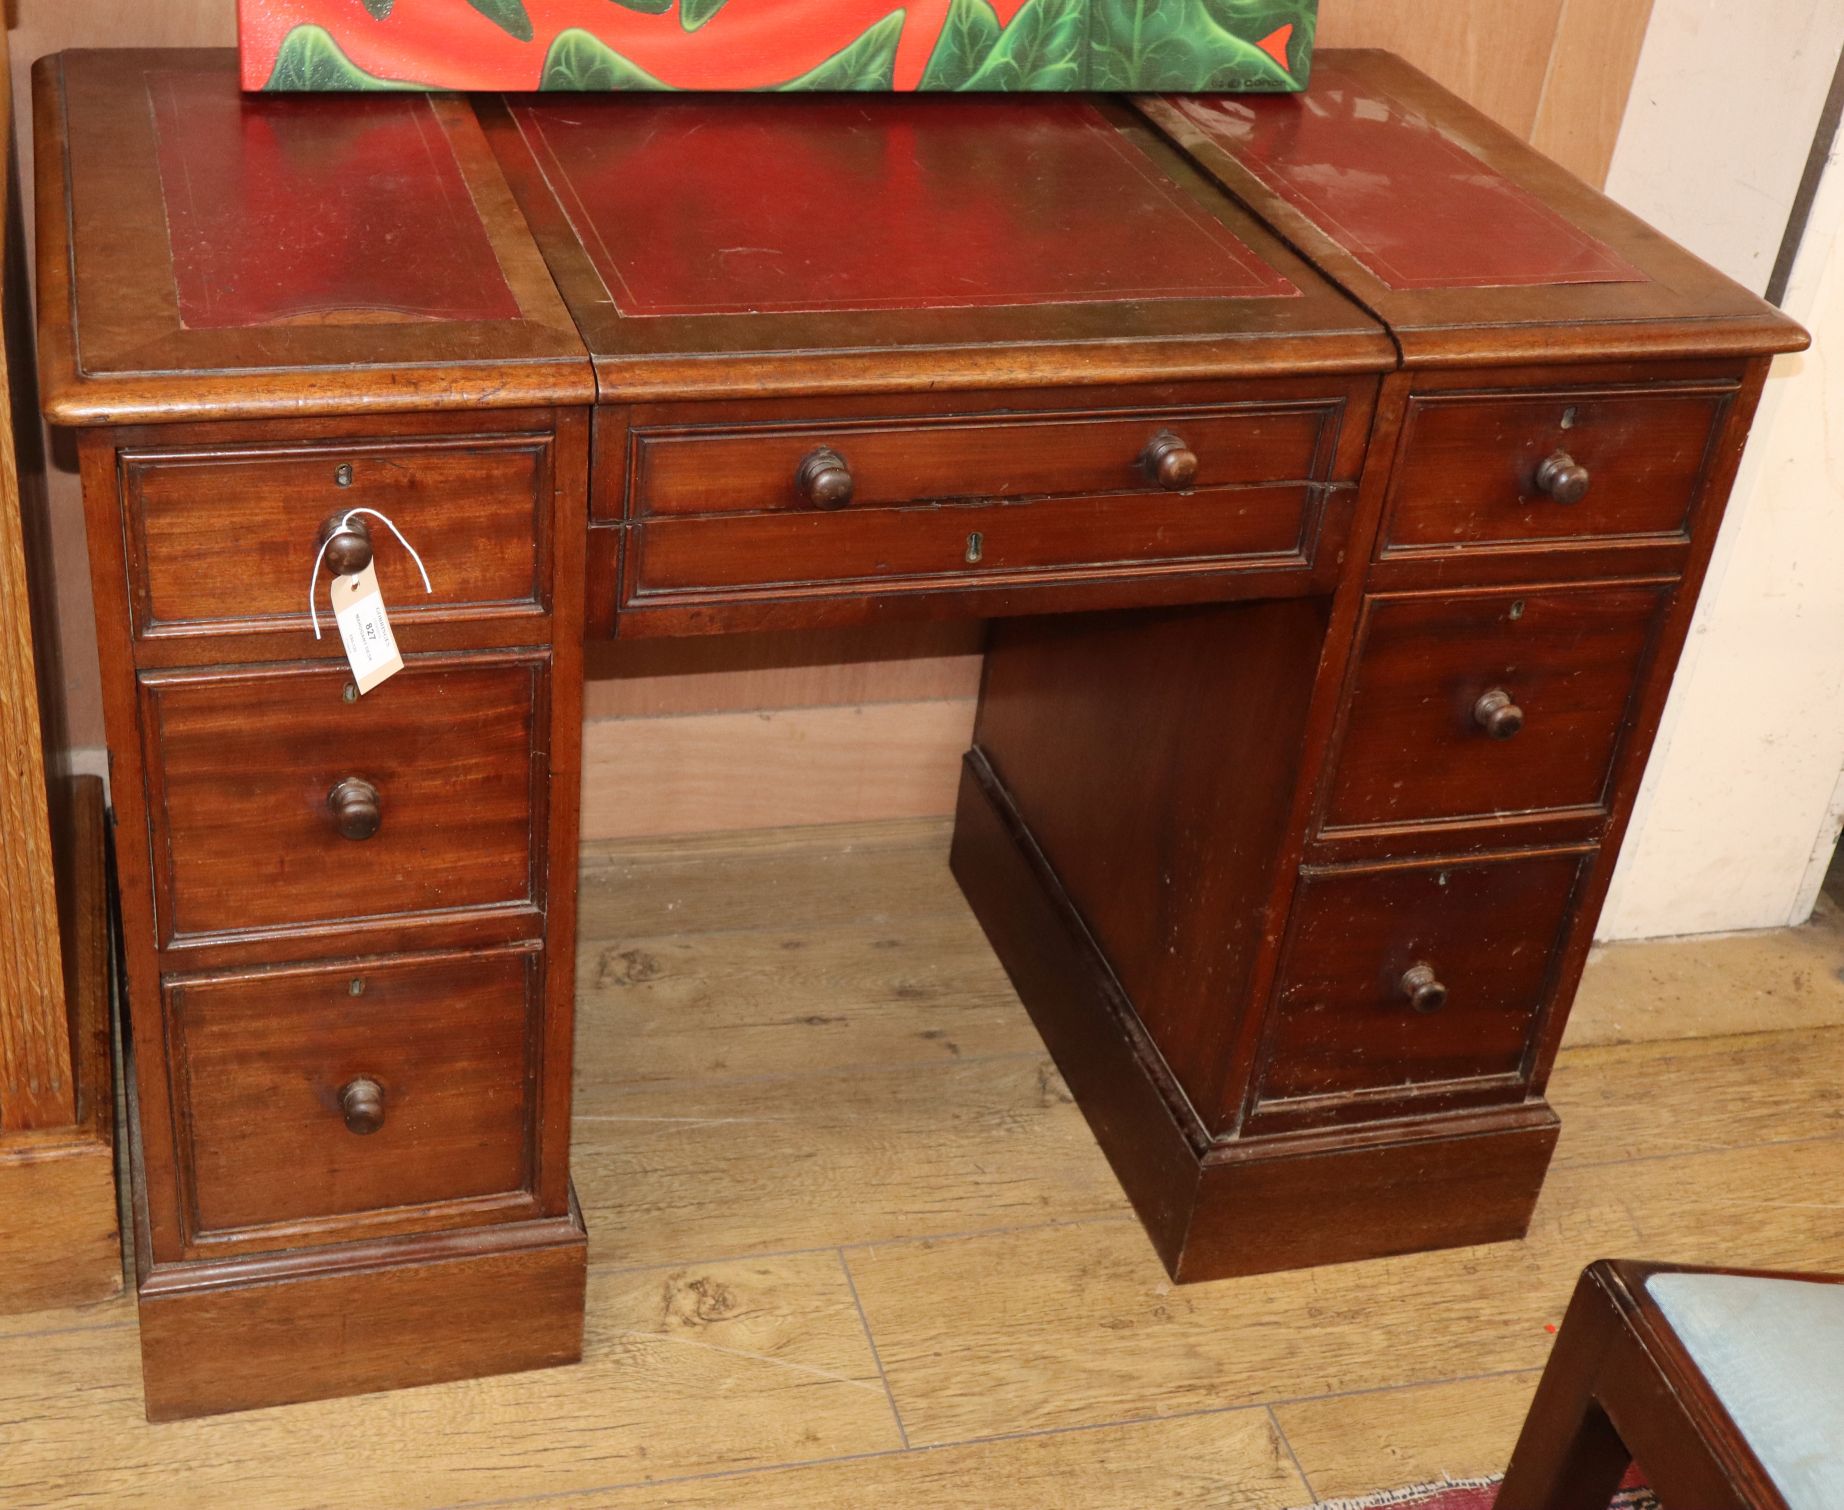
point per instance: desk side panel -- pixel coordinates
(1153, 756)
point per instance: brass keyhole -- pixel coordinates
(976, 547)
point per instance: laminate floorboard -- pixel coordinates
(852, 1244)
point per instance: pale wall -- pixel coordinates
(1739, 806)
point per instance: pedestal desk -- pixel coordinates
(1336, 475)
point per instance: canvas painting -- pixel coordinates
(1166, 45)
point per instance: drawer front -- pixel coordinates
(1396, 980)
(918, 461)
(968, 545)
(324, 1093)
(263, 784)
(1487, 470)
(1485, 706)
(221, 540)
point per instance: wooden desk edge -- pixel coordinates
(1746, 326)
(70, 397)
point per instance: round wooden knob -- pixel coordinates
(1564, 478)
(356, 808)
(1498, 715)
(1169, 461)
(361, 1103)
(824, 479)
(348, 545)
(1423, 988)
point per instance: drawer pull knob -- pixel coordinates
(361, 1103)
(1564, 478)
(356, 808)
(348, 544)
(1423, 988)
(1498, 715)
(1169, 461)
(824, 479)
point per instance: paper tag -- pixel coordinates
(365, 628)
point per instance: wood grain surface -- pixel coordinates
(1718, 1148)
(58, 1238)
(1555, 71)
(773, 768)
(1561, 71)
(60, 1244)
(37, 1085)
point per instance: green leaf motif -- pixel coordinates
(1042, 49)
(966, 39)
(868, 63)
(380, 9)
(582, 62)
(309, 59)
(1177, 45)
(1258, 19)
(508, 15)
(1050, 45)
(694, 13)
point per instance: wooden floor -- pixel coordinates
(852, 1245)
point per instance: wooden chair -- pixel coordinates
(1726, 1386)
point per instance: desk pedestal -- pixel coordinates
(1215, 1209)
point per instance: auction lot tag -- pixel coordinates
(365, 628)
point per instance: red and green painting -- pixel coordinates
(1172, 45)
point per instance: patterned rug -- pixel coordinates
(1473, 1494)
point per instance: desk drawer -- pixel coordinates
(225, 539)
(1476, 469)
(277, 803)
(922, 461)
(315, 1094)
(1395, 980)
(1491, 704)
(966, 545)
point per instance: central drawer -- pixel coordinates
(281, 800)
(925, 503)
(966, 544)
(715, 471)
(311, 1095)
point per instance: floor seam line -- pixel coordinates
(877, 1357)
(67, 1331)
(868, 1067)
(805, 925)
(1700, 1153)
(1407, 1384)
(916, 1450)
(606, 1268)
(1292, 1456)
(1739, 1036)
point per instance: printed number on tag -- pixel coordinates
(365, 628)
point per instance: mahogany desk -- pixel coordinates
(1337, 476)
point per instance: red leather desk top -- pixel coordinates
(281, 209)
(1352, 156)
(700, 207)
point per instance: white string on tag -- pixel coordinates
(313, 581)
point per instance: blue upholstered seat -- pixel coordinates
(1773, 1353)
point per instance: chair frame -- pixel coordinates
(1621, 1387)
